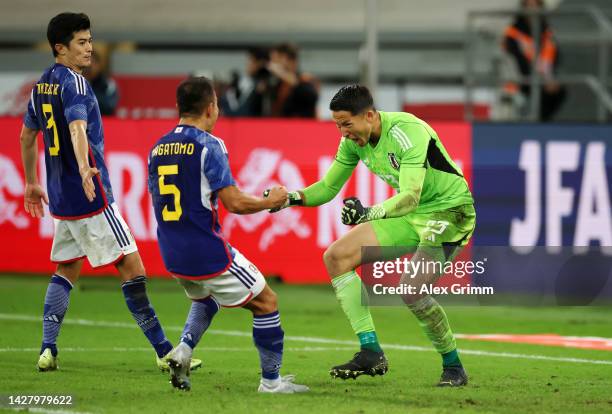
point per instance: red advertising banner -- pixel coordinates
(138, 99)
(263, 153)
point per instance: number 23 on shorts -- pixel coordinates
(435, 227)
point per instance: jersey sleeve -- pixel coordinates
(414, 140)
(346, 154)
(216, 167)
(76, 97)
(329, 186)
(29, 119)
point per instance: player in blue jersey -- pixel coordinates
(188, 173)
(87, 222)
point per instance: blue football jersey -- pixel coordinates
(186, 169)
(58, 98)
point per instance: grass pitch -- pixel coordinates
(108, 366)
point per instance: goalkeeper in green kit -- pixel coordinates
(433, 211)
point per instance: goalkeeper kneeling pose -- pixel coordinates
(433, 212)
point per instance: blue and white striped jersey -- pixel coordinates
(58, 98)
(186, 169)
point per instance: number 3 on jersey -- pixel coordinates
(48, 111)
(165, 189)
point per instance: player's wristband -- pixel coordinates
(375, 212)
(293, 199)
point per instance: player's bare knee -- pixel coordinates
(264, 303)
(130, 266)
(328, 257)
(333, 256)
(70, 271)
(268, 301)
(338, 260)
(271, 301)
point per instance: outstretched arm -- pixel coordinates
(323, 190)
(328, 187)
(235, 201)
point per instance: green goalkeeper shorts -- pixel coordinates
(446, 228)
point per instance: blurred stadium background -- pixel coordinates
(535, 183)
(425, 57)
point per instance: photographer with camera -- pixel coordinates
(251, 95)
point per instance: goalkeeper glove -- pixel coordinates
(354, 212)
(293, 199)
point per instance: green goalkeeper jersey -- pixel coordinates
(406, 146)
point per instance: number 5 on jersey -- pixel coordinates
(165, 189)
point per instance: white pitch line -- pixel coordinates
(108, 324)
(203, 348)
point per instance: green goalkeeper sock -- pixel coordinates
(451, 359)
(369, 340)
(348, 291)
(434, 323)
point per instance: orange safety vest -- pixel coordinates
(548, 50)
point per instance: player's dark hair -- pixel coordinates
(61, 28)
(260, 54)
(288, 49)
(353, 98)
(193, 95)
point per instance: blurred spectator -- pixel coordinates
(519, 42)
(103, 86)
(297, 93)
(253, 94)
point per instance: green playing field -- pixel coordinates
(107, 365)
